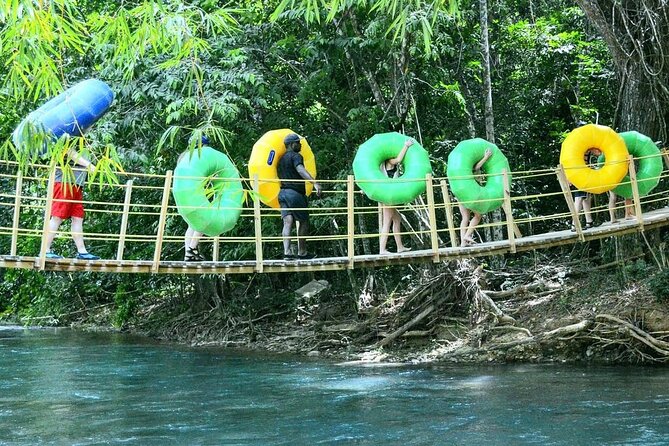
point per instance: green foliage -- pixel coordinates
(637, 270)
(126, 304)
(403, 17)
(34, 297)
(39, 39)
(335, 71)
(659, 286)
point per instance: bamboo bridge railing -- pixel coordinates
(140, 223)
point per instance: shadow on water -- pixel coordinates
(66, 387)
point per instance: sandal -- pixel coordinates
(193, 255)
(86, 256)
(52, 255)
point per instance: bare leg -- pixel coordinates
(188, 238)
(612, 207)
(192, 238)
(578, 204)
(464, 223)
(78, 234)
(470, 229)
(287, 229)
(397, 231)
(629, 209)
(54, 224)
(302, 232)
(387, 221)
(587, 203)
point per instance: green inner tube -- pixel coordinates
(203, 172)
(650, 169)
(470, 194)
(376, 184)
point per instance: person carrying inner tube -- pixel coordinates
(293, 196)
(68, 203)
(582, 199)
(192, 237)
(391, 216)
(467, 225)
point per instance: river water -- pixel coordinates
(72, 388)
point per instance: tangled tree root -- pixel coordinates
(457, 311)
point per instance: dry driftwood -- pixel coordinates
(658, 345)
(404, 328)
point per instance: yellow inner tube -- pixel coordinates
(264, 159)
(573, 153)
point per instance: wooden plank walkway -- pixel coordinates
(653, 219)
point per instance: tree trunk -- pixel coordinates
(637, 35)
(488, 110)
(487, 84)
(371, 80)
(209, 293)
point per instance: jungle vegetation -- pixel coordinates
(521, 72)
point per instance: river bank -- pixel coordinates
(456, 312)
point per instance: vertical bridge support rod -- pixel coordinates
(17, 213)
(257, 223)
(434, 236)
(162, 221)
(350, 220)
(635, 192)
(216, 249)
(124, 221)
(47, 219)
(564, 184)
(510, 230)
(449, 215)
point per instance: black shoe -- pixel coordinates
(589, 225)
(289, 257)
(86, 256)
(193, 255)
(307, 256)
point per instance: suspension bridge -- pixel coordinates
(140, 225)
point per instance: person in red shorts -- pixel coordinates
(68, 203)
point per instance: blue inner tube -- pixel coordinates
(71, 112)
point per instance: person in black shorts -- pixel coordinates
(293, 196)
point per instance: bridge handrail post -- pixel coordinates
(564, 184)
(434, 235)
(47, 219)
(450, 221)
(665, 157)
(510, 230)
(124, 220)
(635, 192)
(350, 220)
(161, 222)
(379, 206)
(257, 223)
(215, 251)
(17, 213)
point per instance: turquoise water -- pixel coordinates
(63, 387)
